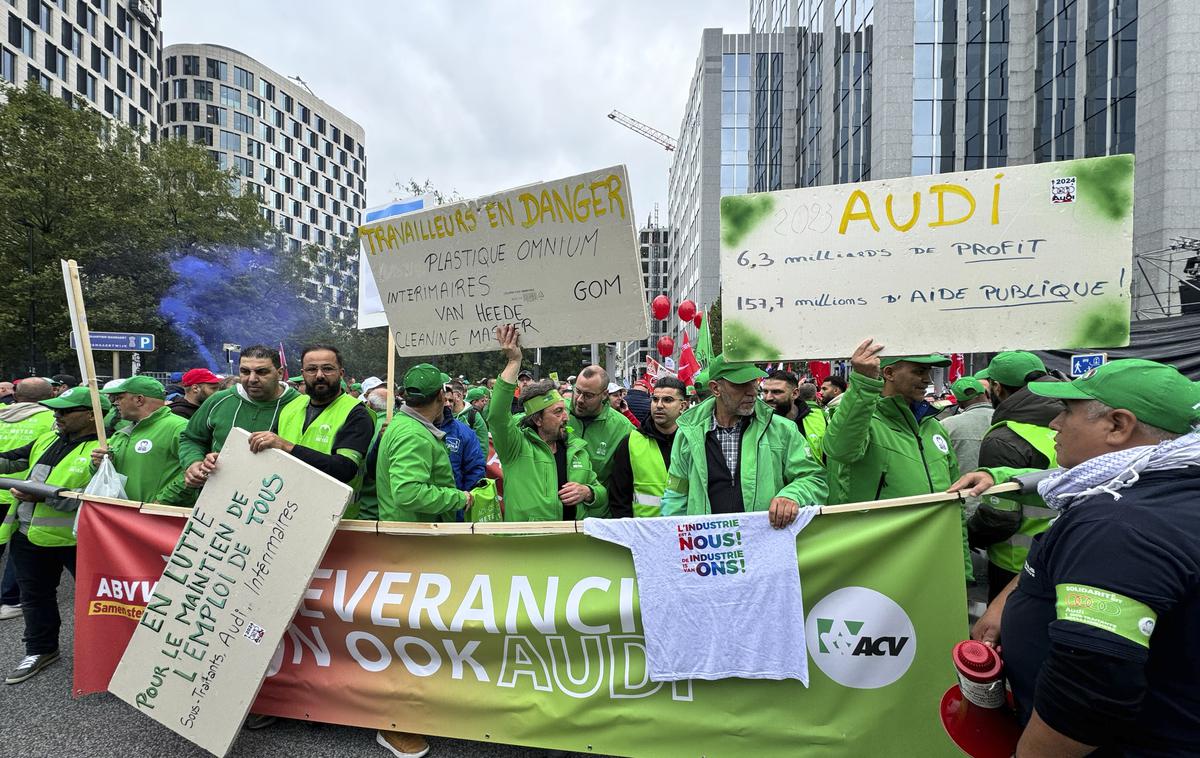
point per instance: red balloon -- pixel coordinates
(699, 320)
(666, 346)
(687, 310)
(661, 307)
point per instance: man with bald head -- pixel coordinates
(20, 423)
(593, 419)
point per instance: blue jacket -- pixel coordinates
(466, 459)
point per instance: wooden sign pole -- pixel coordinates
(84, 344)
(391, 374)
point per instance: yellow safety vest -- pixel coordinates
(1010, 555)
(649, 475)
(51, 527)
(321, 433)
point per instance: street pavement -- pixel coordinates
(39, 719)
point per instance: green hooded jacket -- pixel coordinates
(775, 462)
(875, 449)
(413, 478)
(602, 435)
(148, 454)
(474, 419)
(210, 424)
(530, 474)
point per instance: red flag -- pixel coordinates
(283, 361)
(957, 367)
(688, 365)
(820, 371)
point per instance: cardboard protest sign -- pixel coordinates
(228, 593)
(370, 307)
(1021, 257)
(558, 259)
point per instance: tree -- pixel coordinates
(74, 184)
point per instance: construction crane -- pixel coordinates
(649, 133)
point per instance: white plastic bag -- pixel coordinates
(106, 482)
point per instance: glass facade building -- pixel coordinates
(302, 158)
(891, 88)
(736, 136)
(103, 53)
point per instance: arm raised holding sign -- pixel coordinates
(535, 448)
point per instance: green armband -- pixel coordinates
(677, 484)
(1116, 614)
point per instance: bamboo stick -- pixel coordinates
(391, 374)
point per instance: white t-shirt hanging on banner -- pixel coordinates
(720, 594)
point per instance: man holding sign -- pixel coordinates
(885, 440)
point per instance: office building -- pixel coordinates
(103, 53)
(653, 241)
(304, 159)
(891, 88)
(727, 147)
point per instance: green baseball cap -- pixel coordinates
(76, 397)
(356, 386)
(138, 385)
(296, 378)
(734, 373)
(967, 387)
(1010, 368)
(1157, 394)
(932, 359)
(477, 393)
(423, 381)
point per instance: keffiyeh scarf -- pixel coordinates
(1116, 471)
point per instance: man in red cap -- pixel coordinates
(198, 384)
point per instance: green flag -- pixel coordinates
(704, 349)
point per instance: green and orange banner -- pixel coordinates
(537, 640)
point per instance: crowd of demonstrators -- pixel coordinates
(737, 440)
(1097, 630)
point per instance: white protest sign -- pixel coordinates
(559, 259)
(370, 307)
(1022, 257)
(228, 592)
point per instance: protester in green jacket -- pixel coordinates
(884, 441)
(146, 450)
(783, 392)
(595, 421)
(472, 414)
(413, 477)
(733, 454)
(547, 473)
(253, 404)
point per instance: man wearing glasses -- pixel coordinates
(593, 419)
(326, 427)
(39, 528)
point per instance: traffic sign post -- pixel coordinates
(129, 342)
(1081, 364)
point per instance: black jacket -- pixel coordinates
(1003, 447)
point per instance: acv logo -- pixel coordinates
(860, 638)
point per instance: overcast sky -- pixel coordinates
(482, 96)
